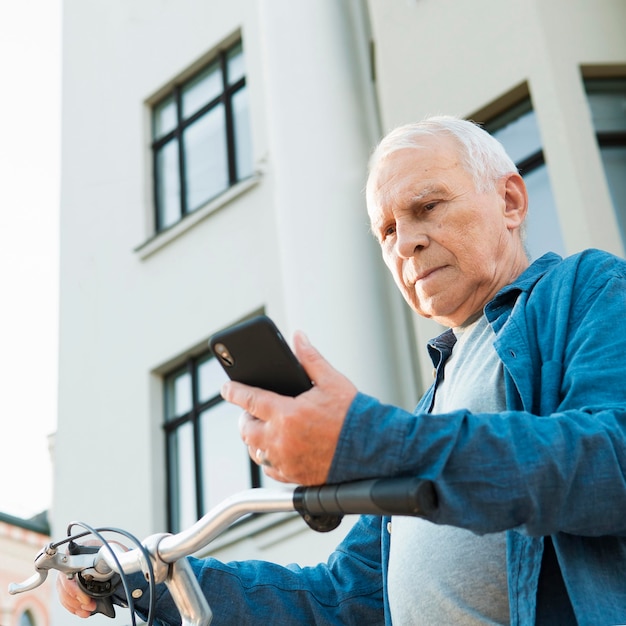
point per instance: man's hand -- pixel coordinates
(295, 438)
(73, 598)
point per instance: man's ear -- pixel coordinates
(515, 200)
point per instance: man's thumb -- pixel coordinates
(312, 361)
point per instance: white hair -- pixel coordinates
(482, 156)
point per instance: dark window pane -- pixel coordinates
(543, 232)
(182, 477)
(236, 67)
(614, 160)
(225, 461)
(210, 378)
(26, 619)
(203, 88)
(607, 100)
(518, 132)
(178, 394)
(243, 143)
(164, 118)
(168, 185)
(205, 158)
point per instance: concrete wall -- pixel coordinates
(293, 240)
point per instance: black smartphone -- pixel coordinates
(254, 352)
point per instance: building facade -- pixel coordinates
(213, 163)
(20, 541)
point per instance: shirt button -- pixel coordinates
(389, 527)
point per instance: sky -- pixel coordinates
(30, 77)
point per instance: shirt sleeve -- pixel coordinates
(347, 589)
(557, 463)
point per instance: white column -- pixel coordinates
(322, 127)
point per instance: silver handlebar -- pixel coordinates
(166, 553)
(322, 508)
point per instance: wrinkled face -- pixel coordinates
(450, 248)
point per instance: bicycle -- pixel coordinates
(161, 557)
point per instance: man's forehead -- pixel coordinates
(412, 178)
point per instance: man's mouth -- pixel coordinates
(425, 274)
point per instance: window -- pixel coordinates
(26, 619)
(201, 138)
(607, 101)
(206, 459)
(518, 132)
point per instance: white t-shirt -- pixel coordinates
(442, 574)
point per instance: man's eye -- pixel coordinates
(430, 206)
(389, 231)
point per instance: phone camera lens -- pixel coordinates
(224, 354)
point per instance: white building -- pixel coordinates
(268, 110)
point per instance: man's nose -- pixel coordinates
(410, 238)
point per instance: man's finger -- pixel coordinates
(253, 400)
(316, 366)
(250, 430)
(73, 598)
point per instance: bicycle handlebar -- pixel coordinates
(322, 507)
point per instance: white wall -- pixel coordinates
(130, 307)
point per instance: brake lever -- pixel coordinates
(50, 558)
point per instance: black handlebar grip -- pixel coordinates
(379, 496)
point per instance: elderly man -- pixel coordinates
(522, 432)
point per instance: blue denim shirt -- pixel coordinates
(553, 464)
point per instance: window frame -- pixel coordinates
(26, 614)
(606, 138)
(193, 416)
(533, 160)
(511, 108)
(224, 98)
